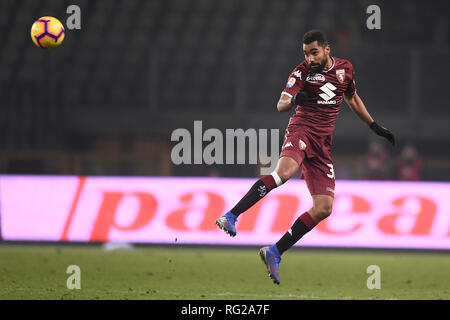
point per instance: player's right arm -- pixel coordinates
(284, 104)
(292, 94)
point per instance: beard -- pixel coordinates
(317, 68)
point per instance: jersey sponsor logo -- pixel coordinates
(291, 82)
(340, 74)
(316, 78)
(298, 74)
(327, 94)
(326, 102)
(302, 144)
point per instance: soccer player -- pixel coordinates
(317, 86)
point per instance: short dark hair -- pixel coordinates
(315, 35)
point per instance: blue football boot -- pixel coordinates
(227, 223)
(271, 258)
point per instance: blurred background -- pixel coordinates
(107, 100)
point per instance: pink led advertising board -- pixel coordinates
(183, 211)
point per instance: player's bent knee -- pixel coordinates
(286, 168)
(286, 173)
(284, 176)
(326, 211)
(323, 211)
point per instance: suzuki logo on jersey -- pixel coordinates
(327, 94)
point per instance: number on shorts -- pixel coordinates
(331, 176)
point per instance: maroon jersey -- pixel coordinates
(325, 91)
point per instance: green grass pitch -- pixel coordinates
(210, 273)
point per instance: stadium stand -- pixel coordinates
(210, 57)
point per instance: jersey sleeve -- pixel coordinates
(351, 88)
(296, 81)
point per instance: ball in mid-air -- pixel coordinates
(47, 32)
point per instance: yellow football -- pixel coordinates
(47, 32)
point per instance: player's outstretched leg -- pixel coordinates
(271, 258)
(263, 186)
(286, 168)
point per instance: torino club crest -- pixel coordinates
(340, 74)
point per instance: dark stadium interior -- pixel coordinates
(107, 101)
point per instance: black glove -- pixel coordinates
(383, 132)
(300, 98)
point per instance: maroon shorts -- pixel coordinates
(312, 152)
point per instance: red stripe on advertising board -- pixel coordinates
(81, 182)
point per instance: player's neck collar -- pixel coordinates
(332, 65)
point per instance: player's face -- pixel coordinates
(316, 56)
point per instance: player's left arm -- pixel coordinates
(357, 106)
